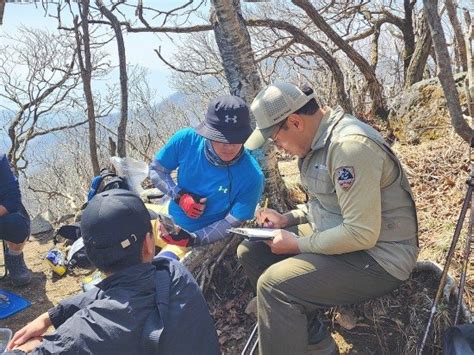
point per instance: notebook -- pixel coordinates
(11, 303)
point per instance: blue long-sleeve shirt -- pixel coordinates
(10, 196)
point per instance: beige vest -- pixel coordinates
(399, 221)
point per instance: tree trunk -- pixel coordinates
(445, 73)
(234, 44)
(85, 65)
(122, 127)
(379, 105)
(417, 65)
(408, 35)
(374, 50)
(460, 47)
(235, 49)
(2, 10)
(469, 83)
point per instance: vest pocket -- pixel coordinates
(319, 181)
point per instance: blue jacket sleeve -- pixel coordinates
(10, 196)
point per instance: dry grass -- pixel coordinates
(438, 171)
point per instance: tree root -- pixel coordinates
(201, 261)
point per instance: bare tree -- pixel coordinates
(122, 127)
(85, 64)
(299, 36)
(414, 72)
(89, 15)
(38, 79)
(445, 72)
(375, 89)
(460, 47)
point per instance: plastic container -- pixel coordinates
(90, 281)
(5, 336)
(134, 171)
(56, 261)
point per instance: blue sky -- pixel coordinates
(139, 46)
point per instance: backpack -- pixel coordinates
(106, 180)
(76, 255)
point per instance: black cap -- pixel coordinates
(113, 221)
(227, 120)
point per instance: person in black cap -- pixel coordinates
(143, 306)
(218, 182)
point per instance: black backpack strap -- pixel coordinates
(155, 323)
(162, 288)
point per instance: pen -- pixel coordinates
(265, 205)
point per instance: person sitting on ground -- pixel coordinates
(218, 182)
(363, 238)
(143, 306)
(14, 225)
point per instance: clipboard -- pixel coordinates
(254, 234)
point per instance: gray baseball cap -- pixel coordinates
(272, 105)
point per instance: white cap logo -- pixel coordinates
(233, 119)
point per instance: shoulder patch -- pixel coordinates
(345, 177)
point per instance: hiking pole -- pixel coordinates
(469, 244)
(457, 232)
(250, 340)
(254, 347)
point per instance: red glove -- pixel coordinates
(182, 238)
(192, 204)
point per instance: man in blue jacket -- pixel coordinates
(144, 306)
(218, 182)
(14, 224)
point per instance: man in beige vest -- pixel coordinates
(363, 238)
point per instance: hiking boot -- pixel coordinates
(327, 346)
(18, 273)
(319, 339)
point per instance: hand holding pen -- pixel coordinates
(269, 218)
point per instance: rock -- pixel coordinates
(65, 218)
(346, 318)
(420, 113)
(252, 307)
(40, 224)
